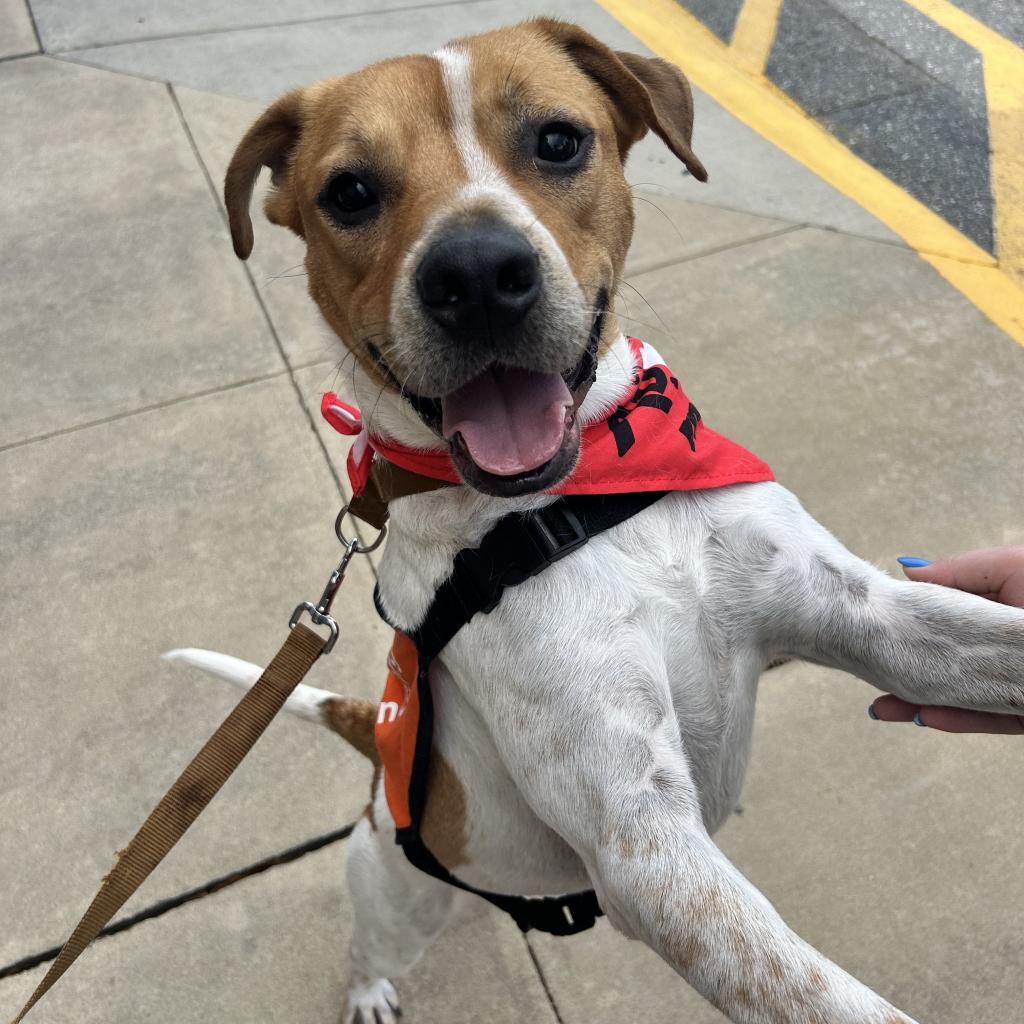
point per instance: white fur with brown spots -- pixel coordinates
(598, 721)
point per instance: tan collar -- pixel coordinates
(386, 483)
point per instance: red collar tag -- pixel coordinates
(346, 419)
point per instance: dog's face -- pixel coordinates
(466, 219)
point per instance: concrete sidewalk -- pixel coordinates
(164, 487)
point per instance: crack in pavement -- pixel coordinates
(215, 885)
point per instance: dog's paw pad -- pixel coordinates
(372, 1002)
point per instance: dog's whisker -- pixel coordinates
(283, 277)
(664, 326)
(672, 224)
(287, 272)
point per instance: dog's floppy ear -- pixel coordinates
(270, 142)
(646, 93)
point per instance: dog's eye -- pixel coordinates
(557, 143)
(349, 199)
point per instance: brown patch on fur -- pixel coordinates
(626, 847)
(776, 968)
(353, 720)
(687, 951)
(757, 978)
(444, 816)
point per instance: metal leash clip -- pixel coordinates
(320, 612)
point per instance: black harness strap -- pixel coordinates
(519, 546)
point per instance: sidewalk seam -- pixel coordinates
(648, 268)
(215, 885)
(35, 27)
(70, 58)
(542, 977)
(652, 188)
(152, 407)
(271, 326)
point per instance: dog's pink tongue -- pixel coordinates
(510, 420)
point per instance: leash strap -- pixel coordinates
(196, 787)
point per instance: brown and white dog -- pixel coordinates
(466, 220)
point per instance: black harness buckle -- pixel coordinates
(557, 531)
(555, 915)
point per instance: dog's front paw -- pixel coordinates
(374, 1001)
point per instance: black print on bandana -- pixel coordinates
(653, 397)
(689, 426)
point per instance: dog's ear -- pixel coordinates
(646, 93)
(270, 142)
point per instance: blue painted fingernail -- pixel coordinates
(910, 562)
(917, 719)
(872, 714)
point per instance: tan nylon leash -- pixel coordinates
(199, 783)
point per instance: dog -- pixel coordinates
(466, 220)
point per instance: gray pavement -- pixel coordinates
(259, 64)
(904, 94)
(162, 486)
(897, 88)
(17, 36)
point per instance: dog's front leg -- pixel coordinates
(626, 802)
(925, 643)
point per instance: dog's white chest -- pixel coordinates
(628, 632)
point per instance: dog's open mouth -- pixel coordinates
(511, 430)
(514, 431)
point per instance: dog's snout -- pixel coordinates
(481, 278)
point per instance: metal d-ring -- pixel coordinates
(358, 547)
(320, 612)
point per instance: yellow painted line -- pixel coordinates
(992, 290)
(754, 34)
(677, 36)
(1003, 64)
(961, 24)
(1004, 86)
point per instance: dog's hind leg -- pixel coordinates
(398, 911)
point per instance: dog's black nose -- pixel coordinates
(479, 280)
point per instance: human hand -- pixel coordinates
(993, 573)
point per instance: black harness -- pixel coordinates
(520, 546)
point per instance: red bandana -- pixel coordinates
(654, 441)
